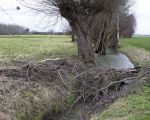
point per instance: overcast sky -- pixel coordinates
(34, 21)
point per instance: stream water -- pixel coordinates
(114, 59)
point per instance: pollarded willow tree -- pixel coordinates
(82, 16)
(108, 30)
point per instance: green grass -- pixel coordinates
(137, 49)
(35, 47)
(131, 107)
(140, 42)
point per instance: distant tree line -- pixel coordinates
(41, 33)
(127, 25)
(7, 29)
(49, 33)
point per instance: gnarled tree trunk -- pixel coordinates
(84, 40)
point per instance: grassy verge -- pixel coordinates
(137, 49)
(134, 106)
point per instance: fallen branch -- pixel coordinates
(62, 80)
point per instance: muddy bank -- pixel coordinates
(70, 86)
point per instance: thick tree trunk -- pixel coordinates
(85, 50)
(84, 41)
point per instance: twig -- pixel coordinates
(83, 73)
(4, 116)
(28, 73)
(64, 84)
(118, 82)
(106, 87)
(74, 67)
(74, 103)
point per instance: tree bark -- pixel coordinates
(98, 34)
(84, 41)
(101, 44)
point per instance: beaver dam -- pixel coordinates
(62, 89)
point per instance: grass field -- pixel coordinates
(35, 48)
(140, 42)
(134, 106)
(40, 47)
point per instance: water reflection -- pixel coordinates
(114, 59)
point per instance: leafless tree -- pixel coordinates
(127, 25)
(82, 16)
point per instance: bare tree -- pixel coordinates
(127, 25)
(82, 15)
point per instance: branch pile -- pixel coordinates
(61, 78)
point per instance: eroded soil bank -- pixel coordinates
(62, 89)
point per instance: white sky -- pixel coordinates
(34, 21)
